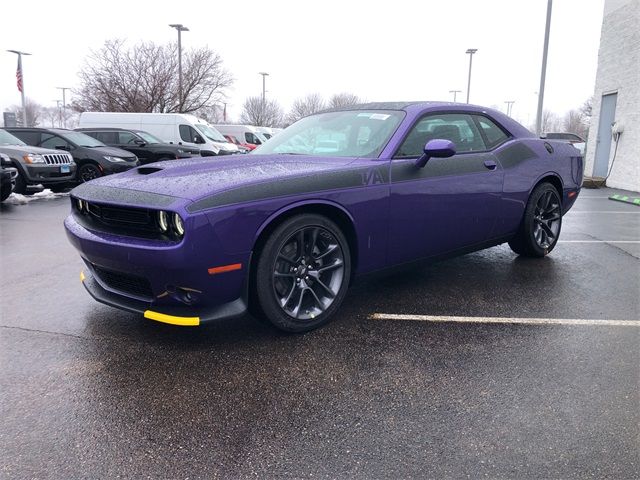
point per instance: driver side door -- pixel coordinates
(450, 203)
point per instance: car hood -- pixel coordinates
(110, 151)
(25, 149)
(196, 178)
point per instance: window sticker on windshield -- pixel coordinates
(367, 115)
(379, 116)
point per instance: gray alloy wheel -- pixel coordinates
(88, 171)
(302, 273)
(541, 223)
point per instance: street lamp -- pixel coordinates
(264, 75)
(509, 106)
(470, 51)
(543, 73)
(64, 103)
(455, 92)
(180, 28)
(20, 83)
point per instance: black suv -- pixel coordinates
(145, 146)
(93, 158)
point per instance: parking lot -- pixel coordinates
(90, 391)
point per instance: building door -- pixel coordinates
(603, 140)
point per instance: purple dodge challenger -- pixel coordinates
(345, 192)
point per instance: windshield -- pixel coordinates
(339, 134)
(7, 139)
(147, 137)
(80, 139)
(211, 133)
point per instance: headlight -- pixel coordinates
(81, 205)
(162, 221)
(178, 224)
(33, 158)
(113, 159)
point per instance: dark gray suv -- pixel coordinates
(52, 169)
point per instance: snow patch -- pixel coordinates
(46, 194)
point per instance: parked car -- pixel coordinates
(8, 176)
(36, 166)
(266, 132)
(247, 147)
(94, 158)
(572, 138)
(148, 148)
(175, 128)
(244, 133)
(284, 232)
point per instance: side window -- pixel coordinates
(53, 141)
(494, 134)
(458, 128)
(30, 138)
(186, 133)
(251, 138)
(127, 137)
(108, 138)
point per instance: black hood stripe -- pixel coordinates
(99, 193)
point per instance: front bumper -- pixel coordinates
(175, 315)
(48, 174)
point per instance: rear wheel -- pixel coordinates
(21, 184)
(541, 223)
(302, 273)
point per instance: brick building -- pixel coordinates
(617, 98)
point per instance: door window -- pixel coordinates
(53, 141)
(126, 138)
(188, 134)
(108, 138)
(458, 128)
(251, 138)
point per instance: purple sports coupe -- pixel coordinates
(345, 192)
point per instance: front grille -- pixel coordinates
(124, 282)
(57, 159)
(121, 216)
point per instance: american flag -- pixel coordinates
(19, 73)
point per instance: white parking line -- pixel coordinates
(602, 211)
(526, 321)
(598, 241)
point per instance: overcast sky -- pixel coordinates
(379, 50)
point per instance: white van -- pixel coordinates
(176, 128)
(244, 133)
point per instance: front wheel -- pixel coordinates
(88, 171)
(303, 273)
(540, 228)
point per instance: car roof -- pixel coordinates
(107, 129)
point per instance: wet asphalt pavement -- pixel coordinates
(87, 391)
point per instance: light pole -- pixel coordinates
(180, 28)
(455, 92)
(20, 83)
(64, 103)
(543, 73)
(264, 75)
(470, 51)
(509, 106)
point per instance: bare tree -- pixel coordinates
(262, 114)
(343, 99)
(34, 113)
(586, 110)
(211, 113)
(144, 78)
(303, 107)
(573, 122)
(550, 122)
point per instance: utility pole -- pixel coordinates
(470, 51)
(20, 83)
(180, 28)
(64, 103)
(264, 75)
(455, 92)
(509, 106)
(543, 73)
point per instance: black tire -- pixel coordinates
(541, 223)
(57, 187)
(312, 281)
(88, 171)
(21, 184)
(5, 192)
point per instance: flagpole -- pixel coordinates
(21, 85)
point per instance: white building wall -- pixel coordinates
(619, 71)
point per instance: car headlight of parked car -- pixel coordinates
(113, 159)
(33, 158)
(170, 223)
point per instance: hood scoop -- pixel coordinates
(148, 170)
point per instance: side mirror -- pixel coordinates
(437, 148)
(140, 143)
(198, 139)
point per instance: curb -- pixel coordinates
(626, 199)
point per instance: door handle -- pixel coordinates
(490, 164)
